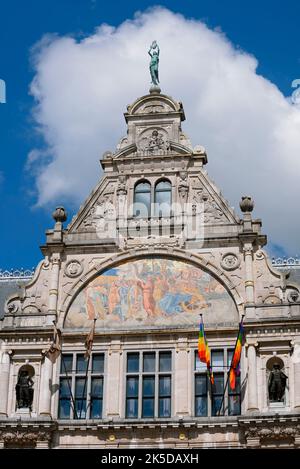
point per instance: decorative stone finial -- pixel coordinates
(59, 214)
(246, 204)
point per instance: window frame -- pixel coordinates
(73, 375)
(140, 375)
(226, 351)
(169, 191)
(152, 213)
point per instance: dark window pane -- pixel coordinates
(164, 386)
(81, 364)
(98, 363)
(80, 408)
(66, 363)
(217, 360)
(163, 186)
(96, 408)
(142, 200)
(142, 187)
(97, 387)
(131, 408)
(148, 386)
(200, 385)
(132, 362)
(149, 362)
(132, 386)
(165, 361)
(64, 399)
(216, 402)
(234, 405)
(80, 387)
(201, 406)
(148, 407)
(237, 388)
(162, 199)
(229, 357)
(64, 409)
(64, 390)
(199, 366)
(164, 409)
(218, 385)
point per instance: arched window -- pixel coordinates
(163, 198)
(142, 200)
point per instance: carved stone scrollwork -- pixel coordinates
(230, 261)
(13, 307)
(121, 188)
(24, 436)
(183, 186)
(293, 296)
(273, 432)
(73, 268)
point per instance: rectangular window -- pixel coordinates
(150, 385)
(85, 384)
(208, 397)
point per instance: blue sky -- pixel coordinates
(267, 30)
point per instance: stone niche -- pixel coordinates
(154, 292)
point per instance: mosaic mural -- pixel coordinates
(152, 291)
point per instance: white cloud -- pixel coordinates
(250, 130)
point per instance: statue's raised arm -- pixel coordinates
(154, 54)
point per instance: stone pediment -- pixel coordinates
(154, 104)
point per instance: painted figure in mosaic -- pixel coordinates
(154, 54)
(24, 390)
(277, 383)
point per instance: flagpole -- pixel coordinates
(223, 397)
(70, 390)
(86, 376)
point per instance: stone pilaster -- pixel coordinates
(46, 387)
(249, 279)
(181, 398)
(252, 379)
(4, 382)
(54, 279)
(113, 379)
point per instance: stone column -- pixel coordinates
(296, 360)
(4, 382)
(113, 380)
(252, 378)
(53, 286)
(249, 281)
(181, 375)
(46, 387)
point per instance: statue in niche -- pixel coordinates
(276, 384)
(154, 54)
(24, 390)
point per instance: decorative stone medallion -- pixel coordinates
(73, 268)
(293, 296)
(230, 261)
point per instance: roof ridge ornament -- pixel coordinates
(154, 54)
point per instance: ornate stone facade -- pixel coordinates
(146, 278)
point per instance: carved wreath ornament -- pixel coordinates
(230, 261)
(73, 268)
